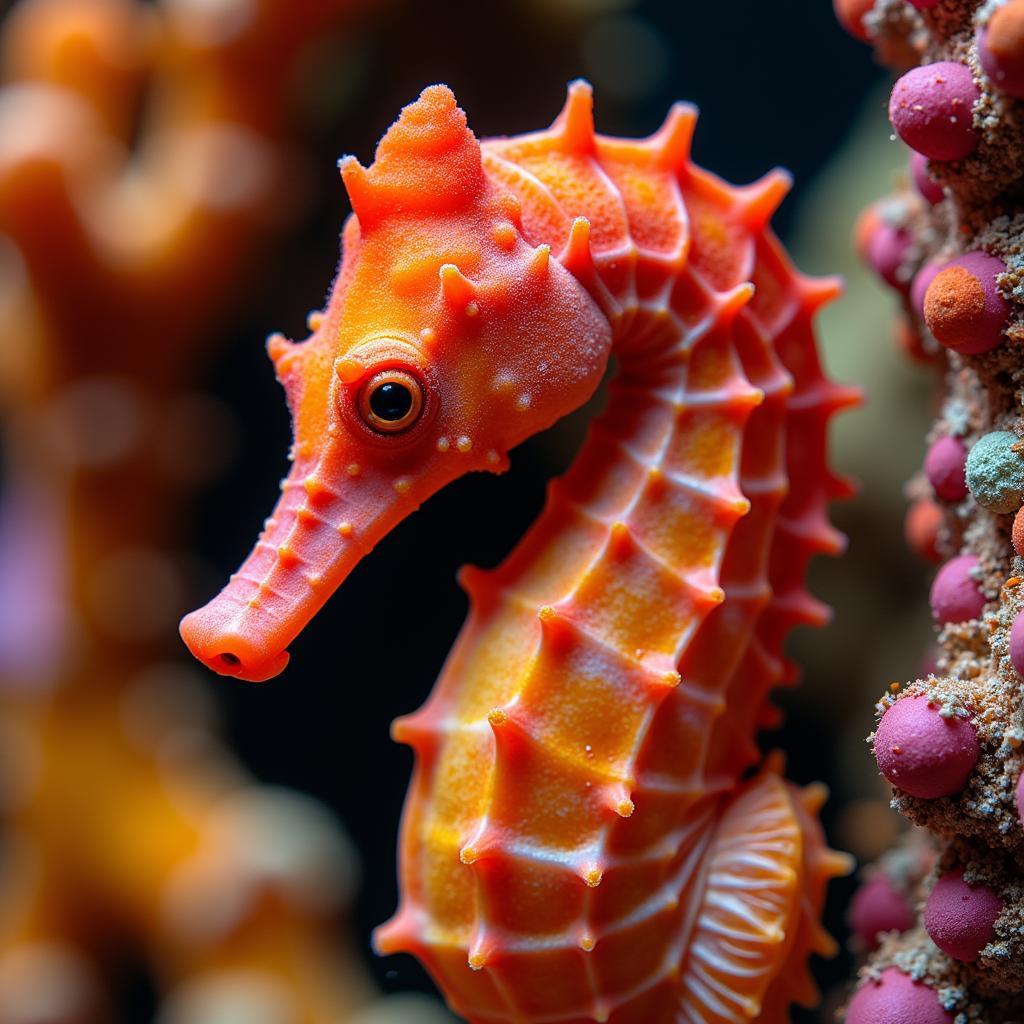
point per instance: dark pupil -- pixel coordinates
(390, 401)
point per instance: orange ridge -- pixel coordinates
(578, 843)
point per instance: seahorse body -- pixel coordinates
(578, 843)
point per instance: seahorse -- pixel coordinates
(583, 838)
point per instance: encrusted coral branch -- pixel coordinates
(951, 243)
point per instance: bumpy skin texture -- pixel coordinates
(577, 844)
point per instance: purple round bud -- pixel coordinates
(931, 109)
(919, 286)
(1017, 644)
(1001, 49)
(930, 190)
(895, 998)
(961, 918)
(955, 596)
(878, 906)
(886, 248)
(944, 466)
(922, 752)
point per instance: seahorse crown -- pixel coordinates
(427, 162)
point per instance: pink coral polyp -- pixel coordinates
(931, 110)
(924, 752)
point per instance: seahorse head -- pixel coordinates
(448, 339)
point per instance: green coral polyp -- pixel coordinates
(995, 472)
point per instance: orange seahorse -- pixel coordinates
(581, 842)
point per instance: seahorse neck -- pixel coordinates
(612, 502)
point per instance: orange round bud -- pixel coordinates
(850, 14)
(921, 528)
(1017, 534)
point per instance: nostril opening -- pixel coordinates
(231, 660)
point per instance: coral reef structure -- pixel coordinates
(950, 242)
(131, 836)
(583, 839)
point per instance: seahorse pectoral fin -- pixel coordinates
(767, 869)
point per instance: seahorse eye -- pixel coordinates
(391, 401)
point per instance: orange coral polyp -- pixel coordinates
(1006, 36)
(578, 840)
(953, 303)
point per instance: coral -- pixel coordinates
(877, 907)
(129, 829)
(921, 528)
(1001, 49)
(928, 188)
(885, 250)
(944, 465)
(951, 741)
(851, 15)
(924, 752)
(955, 594)
(930, 110)
(960, 918)
(962, 306)
(894, 998)
(581, 840)
(995, 472)
(890, 891)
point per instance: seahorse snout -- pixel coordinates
(216, 634)
(323, 523)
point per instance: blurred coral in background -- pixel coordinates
(147, 155)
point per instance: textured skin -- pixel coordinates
(577, 831)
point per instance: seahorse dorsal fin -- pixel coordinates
(673, 139)
(763, 197)
(575, 123)
(428, 161)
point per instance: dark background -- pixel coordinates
(777, 83)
